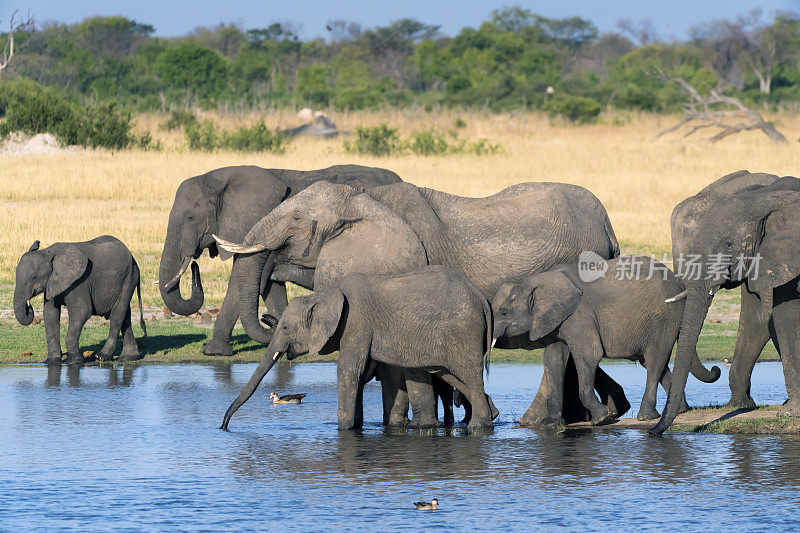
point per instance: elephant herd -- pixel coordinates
(415, 286)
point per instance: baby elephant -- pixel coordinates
(621, 317)
(95, 277)
(427, 321)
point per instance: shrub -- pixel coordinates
(257, 138)
(383, 140)
(374, 140)
(575, 108)
(428, 142)
(33, 109)
(202, 137)
(178, 118)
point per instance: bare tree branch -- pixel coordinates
(703, 112)
(14, 26)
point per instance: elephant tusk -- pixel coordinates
(275, 357)
(177, 277)
(238, 248)
(494, 340)
(679, 296)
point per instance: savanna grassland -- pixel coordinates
(79, 195)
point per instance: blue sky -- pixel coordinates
(672, 18)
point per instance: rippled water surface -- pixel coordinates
(139, 449)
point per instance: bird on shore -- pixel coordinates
(727, 363)
(288, 398)
(425, 506)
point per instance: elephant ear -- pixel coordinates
(241, 204)
(69, 264)
(778, 250)
(324, 318)
(554, 297)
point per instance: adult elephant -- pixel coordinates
(520, 231)
(686, 224)
(748, 239)
(228, 202)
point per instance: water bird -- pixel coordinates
(425, 506)
(288, 398)
(727, 363)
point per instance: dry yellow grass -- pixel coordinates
(78, 196)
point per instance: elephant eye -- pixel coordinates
(296, 216)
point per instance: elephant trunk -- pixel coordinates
(22, 307)
(169, 274)
(694, 313)
(701, 372)
(248, 284)
(267, 362)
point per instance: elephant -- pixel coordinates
(753, 333)
(614, 315)
(95, 277)
(228, 202)
(746, 239)
(430, 320)
(522, 230)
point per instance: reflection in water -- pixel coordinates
(139, 447)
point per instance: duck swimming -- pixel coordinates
(288, 398)
(425, 506)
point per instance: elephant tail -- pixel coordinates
(141, 309)
(612, 237)
(700, 372)
(489, 321)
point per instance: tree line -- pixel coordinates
(516, 59)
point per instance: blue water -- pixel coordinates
(139, 449)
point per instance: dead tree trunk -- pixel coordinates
(14, 26)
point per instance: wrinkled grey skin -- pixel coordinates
(522, 230)
(606, 317)
(228, 202)
(428, 320)
(753, 331)
(94, 277)
(763, 221)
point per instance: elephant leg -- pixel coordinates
(130, 348)
(751, 338)
(786, 317)
(116, 321)
(611, 393)
(349, 375)
(394, 395)
(444, 392)
(655, 371)
(78, 315)
(471, 385)
(419, 384)
(587, 358)
(274, 295)
(52, 331)
(547, 405)
(220, 343)
(459, 400)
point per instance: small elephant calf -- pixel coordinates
(94, 277)
(427, 321)
(612, 316)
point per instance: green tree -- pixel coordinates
(191, 66)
